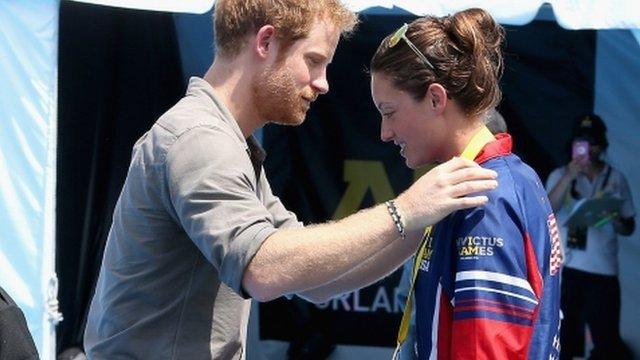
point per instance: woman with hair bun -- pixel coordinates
(485, 282)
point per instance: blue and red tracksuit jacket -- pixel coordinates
(488, 285)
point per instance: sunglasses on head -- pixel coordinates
(401, 34)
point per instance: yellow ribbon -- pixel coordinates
(473, 148)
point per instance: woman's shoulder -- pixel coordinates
(516, 179)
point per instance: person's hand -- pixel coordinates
(623, 226)
(575, 167)
(443, 190)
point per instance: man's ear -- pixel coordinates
(437, 98)
(265, 41)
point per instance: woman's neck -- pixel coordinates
(465, 131)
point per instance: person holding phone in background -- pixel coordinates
(590, 287)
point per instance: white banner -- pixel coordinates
(28, 103)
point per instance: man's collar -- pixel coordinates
(202, 89)
(256, 154)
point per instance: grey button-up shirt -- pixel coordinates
(194, 209)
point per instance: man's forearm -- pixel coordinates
(376, 267)
(293, 260)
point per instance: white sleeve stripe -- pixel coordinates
(499, 292)
(494, 276)
(434, 324)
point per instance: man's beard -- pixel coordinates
(277, 99)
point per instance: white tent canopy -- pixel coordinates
(570, 14)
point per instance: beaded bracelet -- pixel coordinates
(397, 219)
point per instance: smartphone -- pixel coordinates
(580, 151)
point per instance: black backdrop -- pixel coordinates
(120, 69)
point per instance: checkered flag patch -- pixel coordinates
(555, 260)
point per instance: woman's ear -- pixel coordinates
(437, 98)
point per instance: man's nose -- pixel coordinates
(320, 84)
